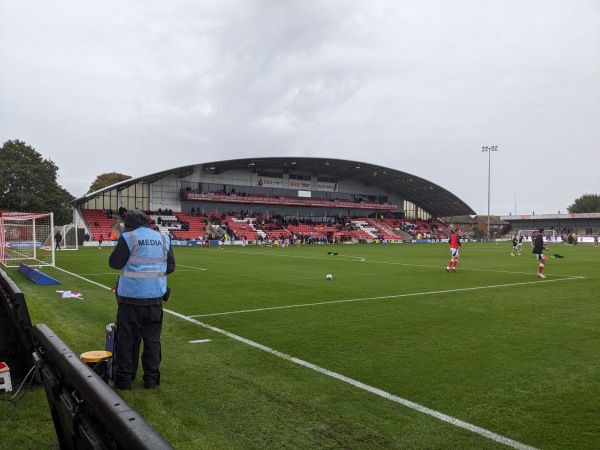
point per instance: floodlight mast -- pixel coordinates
(489, 151)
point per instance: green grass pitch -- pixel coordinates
(261, 351)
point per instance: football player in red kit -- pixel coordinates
(454, 242)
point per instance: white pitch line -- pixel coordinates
(414, 294)
(94, 274)
(394, 263)
(339, 258)
(402, 401)
(191, 267)
(470, 269)
(199, 341)
(86, 279)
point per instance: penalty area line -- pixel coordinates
(345, 258)
(386, 395)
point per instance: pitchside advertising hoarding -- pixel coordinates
(184, 243)
(23, 244)
(582, 239)
(546, 239)
(586, 239)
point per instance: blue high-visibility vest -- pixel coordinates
(145, 274)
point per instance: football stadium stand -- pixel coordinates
(254, 198)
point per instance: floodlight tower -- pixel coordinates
(489, 151)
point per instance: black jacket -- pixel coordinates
(538, 244)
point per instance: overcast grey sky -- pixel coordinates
(416, 85)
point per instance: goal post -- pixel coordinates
(24, 238)
(68, 235)
(528, 235)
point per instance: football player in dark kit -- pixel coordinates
(145, 258)
(538, 249)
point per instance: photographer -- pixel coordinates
(145, 258)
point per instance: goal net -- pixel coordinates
(67, 235)
(24, 238)
(528, 235)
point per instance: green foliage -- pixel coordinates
(107, 179)
(28, 183)
(588, 203)
(478, 233)
(492, 345)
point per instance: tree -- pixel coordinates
(478, 233)
(28, 183)
(107, 179)
(587, 203)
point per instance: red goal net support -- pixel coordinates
(26, 238)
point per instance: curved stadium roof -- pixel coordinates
(425, 194)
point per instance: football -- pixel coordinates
(329, 277)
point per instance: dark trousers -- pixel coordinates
(134, 321)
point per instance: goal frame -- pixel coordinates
(70, 240)
(549, 235)
(23, 239)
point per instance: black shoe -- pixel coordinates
(151, 386)
(122, 387)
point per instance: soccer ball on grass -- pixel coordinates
(329, 277)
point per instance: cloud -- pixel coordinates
(418, 86)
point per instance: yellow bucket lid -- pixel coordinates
(95, 356)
